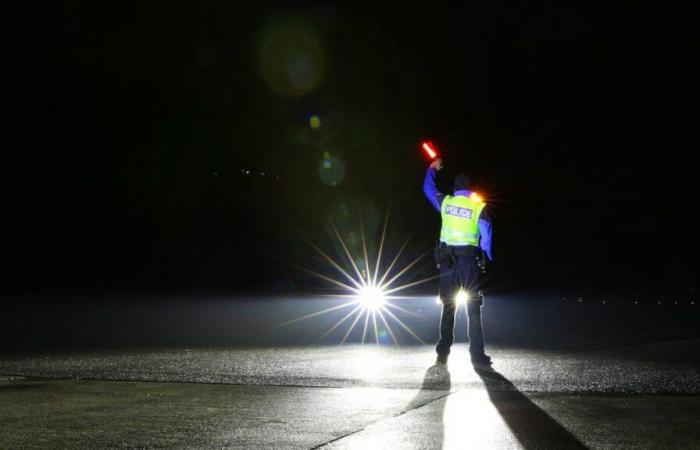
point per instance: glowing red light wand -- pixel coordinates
(430, 149)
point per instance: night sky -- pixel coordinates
(130, 129)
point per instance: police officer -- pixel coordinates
(466, 233)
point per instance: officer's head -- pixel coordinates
(461, 182)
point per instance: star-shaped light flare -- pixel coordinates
(369, 293)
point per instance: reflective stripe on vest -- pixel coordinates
(460, 220)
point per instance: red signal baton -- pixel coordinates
(430, 149)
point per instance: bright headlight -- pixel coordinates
(462, 297)
(371, 297)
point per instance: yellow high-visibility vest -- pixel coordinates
(460, 219)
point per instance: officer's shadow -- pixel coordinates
(436, 378)
(533, 427)
(436, 386)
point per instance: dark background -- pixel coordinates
(129, 128)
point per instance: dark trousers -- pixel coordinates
(460, 271)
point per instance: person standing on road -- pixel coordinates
(465, 236)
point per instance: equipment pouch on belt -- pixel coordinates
(481, 262)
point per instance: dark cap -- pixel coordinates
(461, 182)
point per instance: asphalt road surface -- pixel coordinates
(353, 396)
(601, 386)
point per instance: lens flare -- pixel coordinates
(291, 57)
(331, 171)
(315, 122)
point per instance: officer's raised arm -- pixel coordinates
(430, 189)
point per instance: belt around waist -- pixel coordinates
(461, 249)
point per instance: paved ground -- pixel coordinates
(637, 396)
